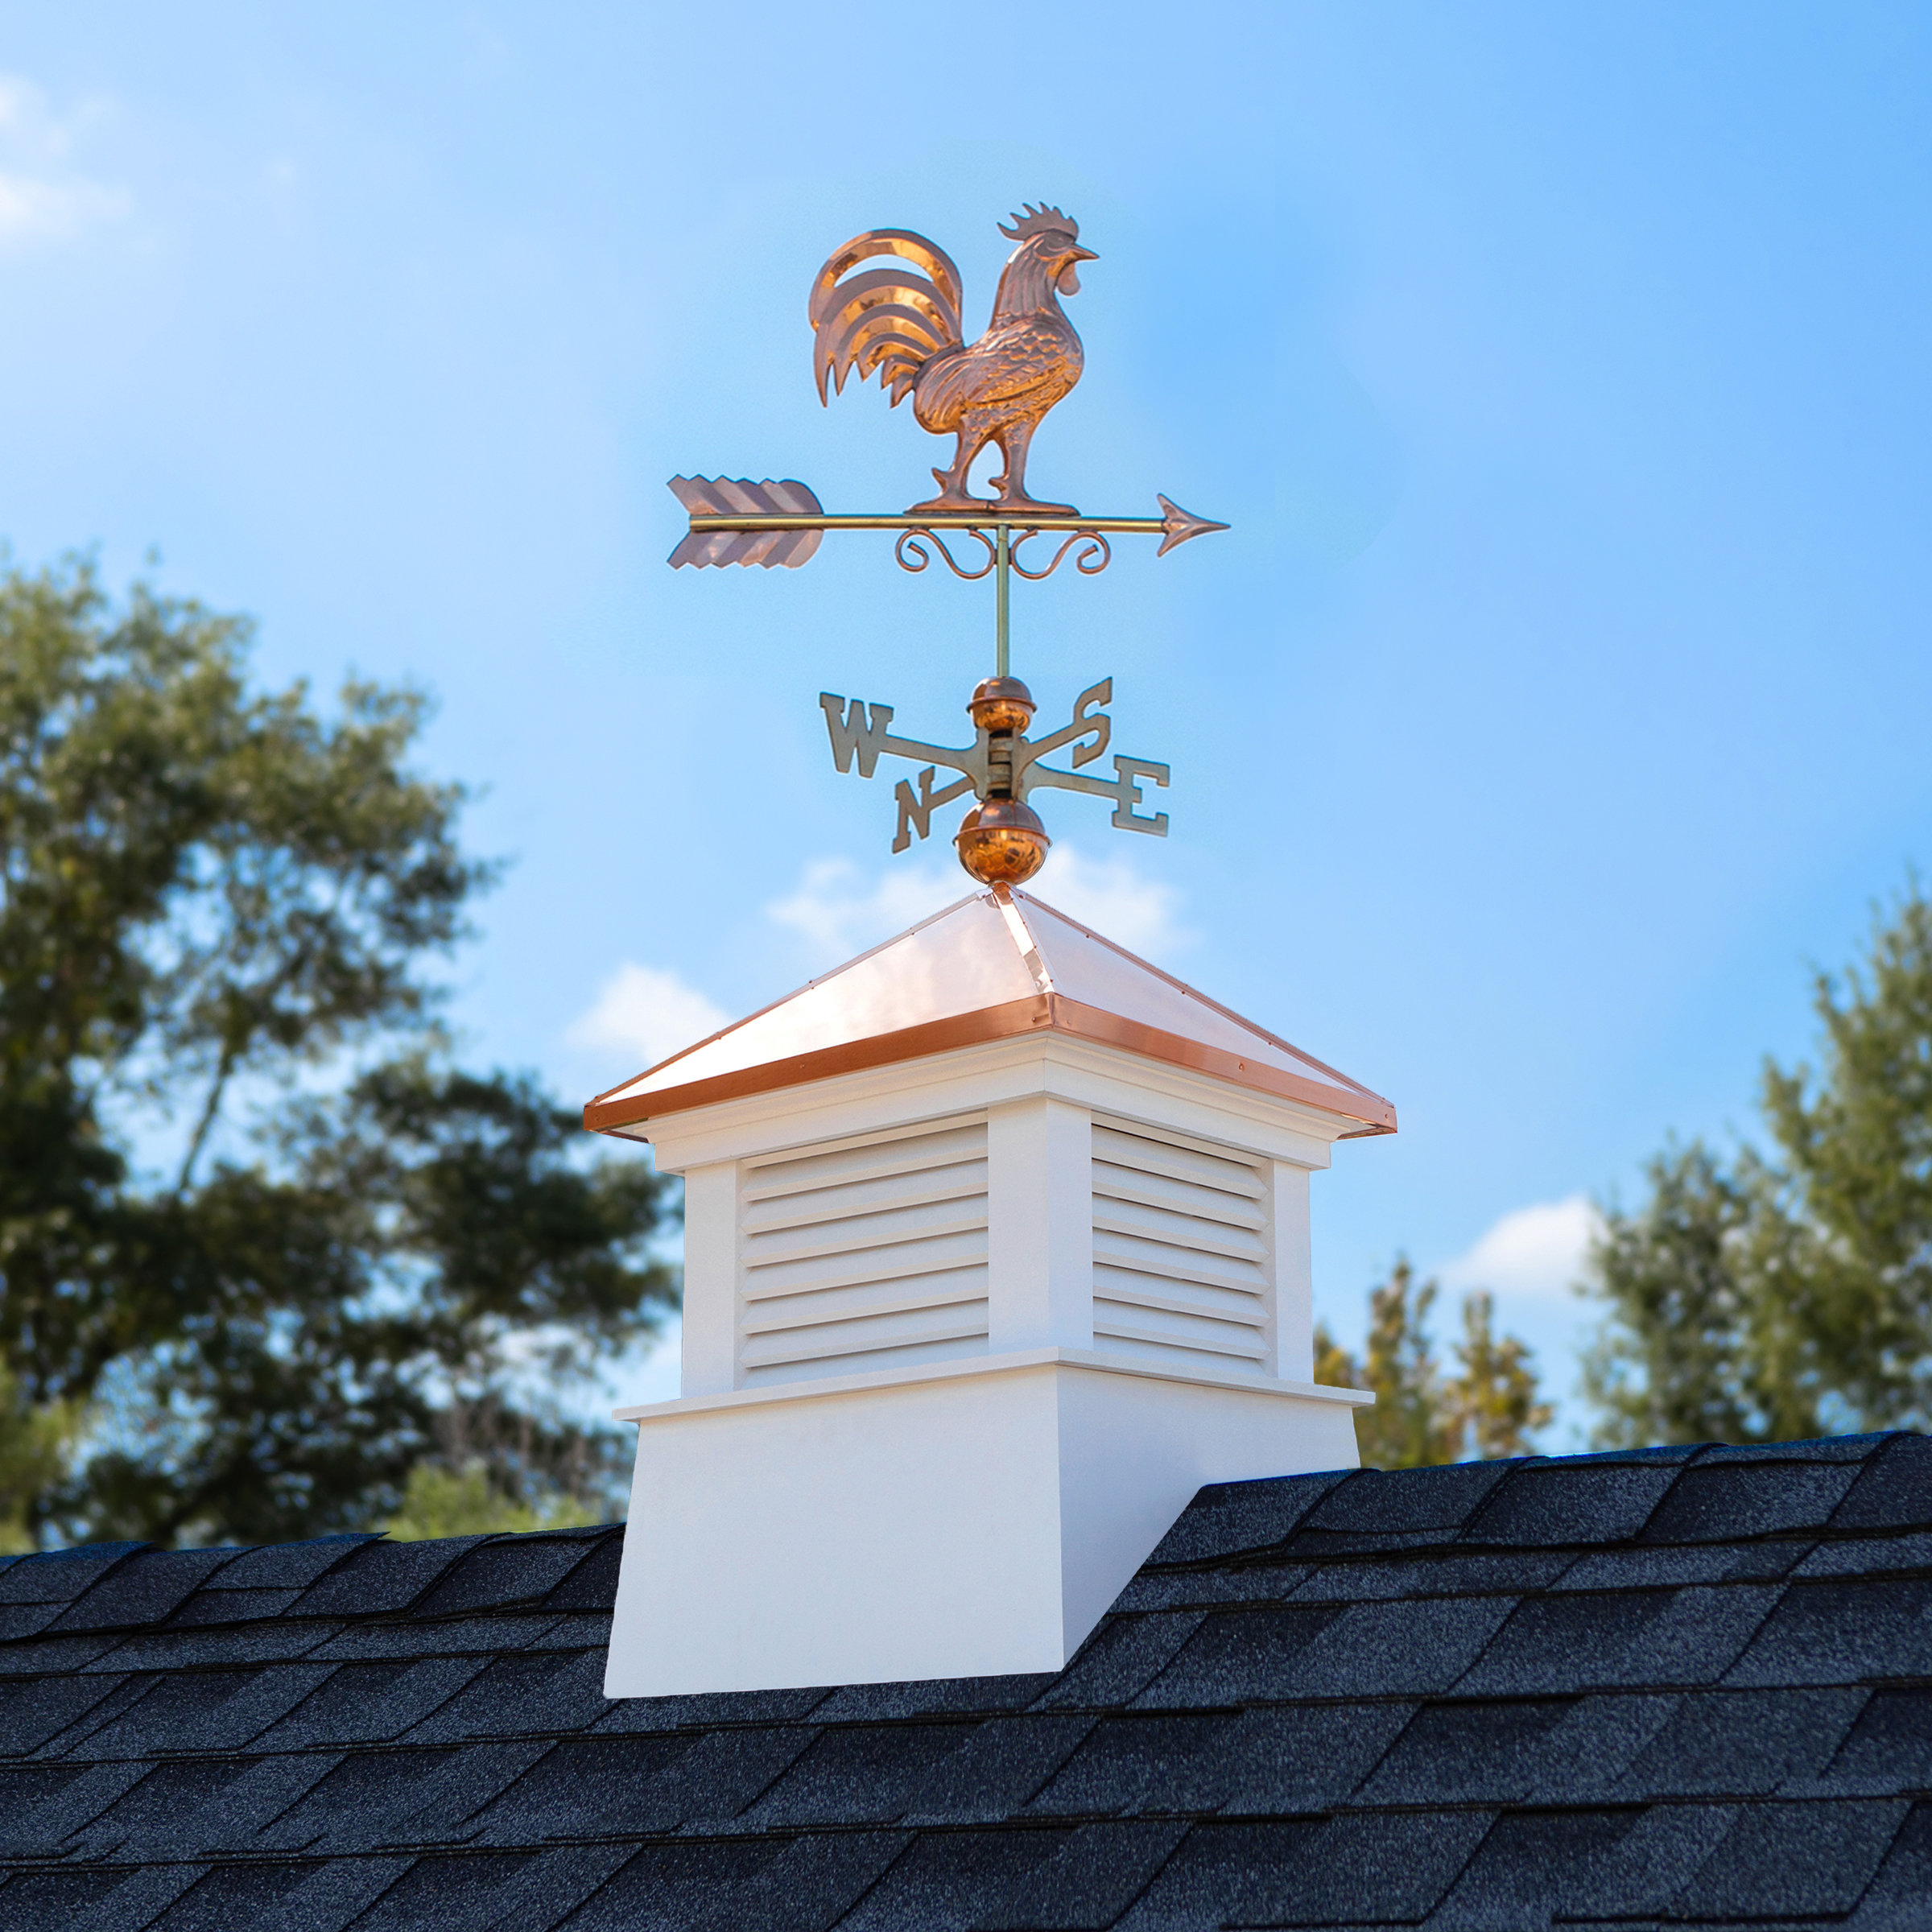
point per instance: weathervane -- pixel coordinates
(904, 328)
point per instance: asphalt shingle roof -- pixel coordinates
(1674, 1688)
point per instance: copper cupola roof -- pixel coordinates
(995, 965)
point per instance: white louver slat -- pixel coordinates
(1182, 1262)
(862, 1256)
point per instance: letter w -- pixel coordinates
(858, 730)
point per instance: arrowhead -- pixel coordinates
(1178, 524)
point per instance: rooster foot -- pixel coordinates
(952, 505)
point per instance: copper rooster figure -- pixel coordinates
(905, 329)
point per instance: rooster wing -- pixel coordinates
(1007, 363)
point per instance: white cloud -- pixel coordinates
(42, 196)
(1113, 899)
(651, 1012)
(1538, 1251)
(841, 910)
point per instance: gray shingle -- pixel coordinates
(1869, 1556)
(58, 1576)
(1088, 1882)
(222, 1606)
(1575, 1502)
(36, 1709)
(1894, 1490)
(593, 1584)
(1818, 1449)
(1226, 1519)
(1888, 1749)
(41, 1805)
(1379, 1649)
(997, 1769)
(1119, 1660)
(1160, 1763)
(143, 1590)
(708, 1785)
(1651, 1567)
(1463, 1754)
(1373, 1868)
(51, 1656)
(284, 1898)
(1385, 1579)
(864, 1774)
(178, 1650)
(369, 1703)
(549, 1692)
(1301, 1758)
(1713, 1503)
(205, 1710)
(52, 1901)
(1376, 1502)
(1843, 1632)
(1584, 1866)
(675, 1888)
(1733, 1743)
(393, 1642)
(946, 1880)
(589, 1788)
(505, 1570)
(1591, 1640)
(1895, 1901)
(381, 1578)
(701, 1713)
(930, 1697)
(1794, 1861)
(387, 1801)
(478, 1892)
(287, 1566)
(809, 1886)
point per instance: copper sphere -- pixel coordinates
(1000, 704)
(1002, 843)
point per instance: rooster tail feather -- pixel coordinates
(888, 320)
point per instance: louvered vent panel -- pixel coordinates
(1180, 1253)
(862, 1257)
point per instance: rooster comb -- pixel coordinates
(1040, 220)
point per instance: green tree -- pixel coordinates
(1493, 1404)
(1489, 1408)
(1789, 1293)
(251, 1221)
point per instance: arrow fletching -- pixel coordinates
(730, 497)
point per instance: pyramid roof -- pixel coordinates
(996, 965)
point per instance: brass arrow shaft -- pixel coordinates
(1137, 526)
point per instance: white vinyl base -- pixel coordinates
(970, 1518)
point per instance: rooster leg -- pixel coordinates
(953, 482)
(1012, 440)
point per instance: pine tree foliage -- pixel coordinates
(1488, 1408)
(1789, 1292)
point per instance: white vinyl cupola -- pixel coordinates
(996, 1249)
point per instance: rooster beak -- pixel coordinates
(1068, 279)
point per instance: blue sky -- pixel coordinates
(1558, 698)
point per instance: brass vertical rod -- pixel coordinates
(1004, 582)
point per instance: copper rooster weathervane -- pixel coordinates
(903, 326)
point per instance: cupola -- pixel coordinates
(996, 1249)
